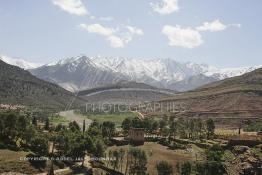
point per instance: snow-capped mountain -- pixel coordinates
(19, 62)
(82, 72)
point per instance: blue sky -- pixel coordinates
(223, 33)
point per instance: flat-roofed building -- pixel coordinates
(136, 135)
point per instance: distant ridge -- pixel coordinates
(18, 86)
(124, 92)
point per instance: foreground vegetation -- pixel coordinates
(173, 145)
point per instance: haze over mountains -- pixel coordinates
(19, 62)
(82, 72)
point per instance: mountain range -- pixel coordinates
(82, 72)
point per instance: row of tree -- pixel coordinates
(132, 161)
(193, 128)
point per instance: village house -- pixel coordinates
(10, 107)
(136, 135)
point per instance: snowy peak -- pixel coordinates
(83, 72)
(19, 62)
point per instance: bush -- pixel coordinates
(176, 145)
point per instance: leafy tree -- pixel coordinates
(210, 128)
(164, 168)
(73, 126)
(60, 127)
(155, 125)
(173, 128)
(138, 161)
(108, 129)
(122, 154)
(186, 168)
(47, 127)
(210, 167)
(162, 123)
(99, 148)
(137, 123)
(215, 153)
(126, 125)
(39, 145)
(116, 155)
(34, 121)
(84, 126)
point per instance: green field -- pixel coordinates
(55, 120)
(116, 118)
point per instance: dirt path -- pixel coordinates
(71, 116)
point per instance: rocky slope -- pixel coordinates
(238, 96)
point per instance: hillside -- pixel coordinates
(18, 86)
(124, 92)
(237, 96)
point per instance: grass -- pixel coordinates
(156, 152)
(55, 120)
(10, 162)
(116, 118)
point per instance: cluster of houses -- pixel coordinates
(11, 107)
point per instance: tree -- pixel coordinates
(116, 155)
(73, 126)
(186, 168)
(215, 153)
(108, 129)
(173, 128)
(47, 127)
(138, 161)
(122, 154)
(39, 145)
(164, 168)
(84, 126)
(99, 148)
(162, 123)
(34, 121)
(126, 125)
(199, 127)
(137, 123)
(210, 128)
(210, 167)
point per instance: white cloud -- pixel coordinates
(98, 28)
(165, 7)
(75, 7)
(116, 41)
(213, 26)
(116, 37)
(182, 37)
(134, 30)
